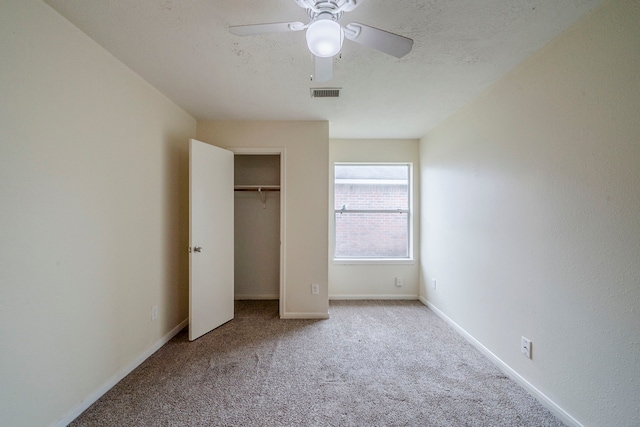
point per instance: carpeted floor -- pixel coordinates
(373, 363)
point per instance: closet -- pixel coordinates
(257, 226)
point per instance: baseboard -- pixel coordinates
(563, 415)
(93, 397)
(374, 297)
(256, 297)
(292, 315)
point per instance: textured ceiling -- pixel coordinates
(184, 49)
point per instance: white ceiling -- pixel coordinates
(184, 48)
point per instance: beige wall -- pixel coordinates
(347, 281)
(305, 190)
(531, 218)
(93, 218)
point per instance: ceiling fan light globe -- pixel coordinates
(324, 38)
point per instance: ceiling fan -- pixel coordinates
(325, 34)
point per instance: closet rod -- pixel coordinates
(256, 187)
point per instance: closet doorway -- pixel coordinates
(258, 224)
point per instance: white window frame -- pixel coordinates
(382, 260)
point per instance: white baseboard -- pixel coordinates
(93, 397)
(291, 315)
(374, 297)
(256, 297)
(563, 415)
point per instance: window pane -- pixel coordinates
(371, 187)
(372, 235)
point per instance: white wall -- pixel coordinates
(305, 188)
(93, 217)
(531, 218)
(375, 281)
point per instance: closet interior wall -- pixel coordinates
(257, 227)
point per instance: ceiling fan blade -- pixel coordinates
(384, 41)
(323, 69)
(279, 27)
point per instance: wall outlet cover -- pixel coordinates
(525, 347)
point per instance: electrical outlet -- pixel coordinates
(315, 289)
(154, 312)
(399, 281)
(525, 347)
(434, 283)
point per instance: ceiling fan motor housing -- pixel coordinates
(335, 7)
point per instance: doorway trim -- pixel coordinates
(283, 212)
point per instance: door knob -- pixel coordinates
(197, 249)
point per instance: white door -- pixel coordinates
(210, 237)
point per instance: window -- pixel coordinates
(372, 208)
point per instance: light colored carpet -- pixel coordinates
(373, 363)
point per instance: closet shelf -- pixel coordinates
(256, 187)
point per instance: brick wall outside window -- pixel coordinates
(378, 235)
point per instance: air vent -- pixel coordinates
(325, 92)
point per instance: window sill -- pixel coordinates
(357, 261)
